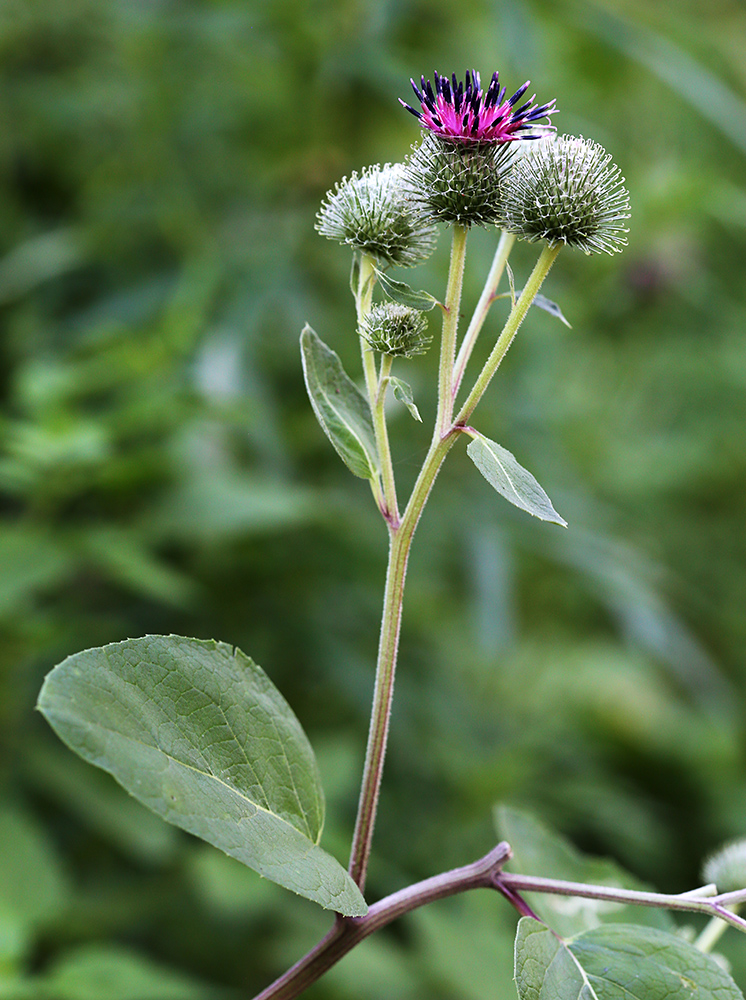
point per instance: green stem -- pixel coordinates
(516, 317)
(483, 307)
(340, 939)
(391, 512)
(363, 301)
(400, 543)
(711, 933)
(401, 534)
(450, 326)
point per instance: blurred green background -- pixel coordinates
(161, 471)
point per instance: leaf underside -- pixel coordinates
(196, 731)
(340, 407)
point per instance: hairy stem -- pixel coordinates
(483, 307)
(517, 315)
(686, 901)
(350, 931)
(400, 543)
(401, 534)
(363, 300)
(380, 428)
(450, 326)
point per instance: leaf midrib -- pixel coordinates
(208, 774)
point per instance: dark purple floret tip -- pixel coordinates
(464, 113)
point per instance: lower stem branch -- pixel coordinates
(348, 932)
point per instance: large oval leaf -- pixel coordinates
(615, 962)
(340, 407)
(197, 732)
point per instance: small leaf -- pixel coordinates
(511, 282)
(355, 270)
(197, 732)
(403, 392)
(615, 961)
(400, 292)
(340, 407)
(544, 853)
(542, 302)
(510, 479)
(355, 275)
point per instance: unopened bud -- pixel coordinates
(567, 190)
(456, 182)
(371, 212)
(396, 330)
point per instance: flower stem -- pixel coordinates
(401, 534)
(483, 307)
(363, 299)
(450, 326)
(391, 513)
(516, 317)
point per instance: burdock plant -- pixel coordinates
(198, 732)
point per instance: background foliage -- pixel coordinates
(161, 471)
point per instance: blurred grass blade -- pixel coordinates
(694, 82)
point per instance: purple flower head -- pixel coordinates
(462, 113)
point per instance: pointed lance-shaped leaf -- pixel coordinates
(542, 302)
(197, 732)
(516, 484)
(340, 407)
(403, 392)
(401, 292)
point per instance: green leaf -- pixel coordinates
(615, 962)
(538, 851)
(510, 479)
(511, 283)
(340, 407)
(400, 292)
(542, 302)
(197, 732)
(403, 392)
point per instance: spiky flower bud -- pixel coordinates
(371, 212)
(458, 182)
(727, 867)
(567, 190)
(397, 330)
